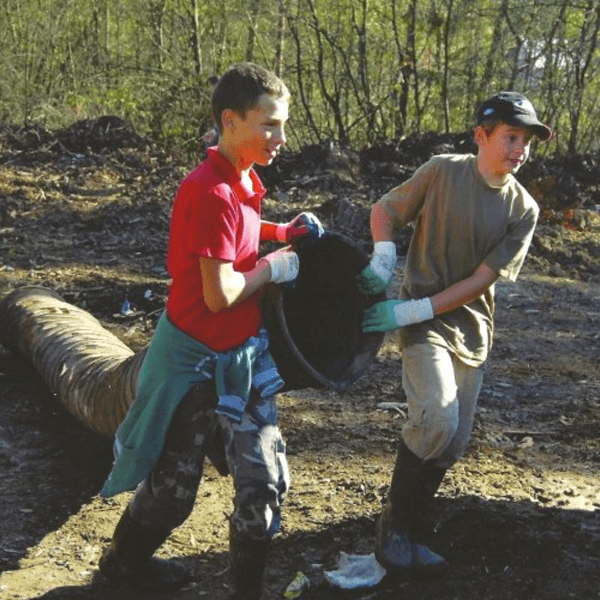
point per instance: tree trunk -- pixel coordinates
(90, 371)
(196, 39)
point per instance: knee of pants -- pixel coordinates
(166, 508)
(257, 511)
(429, 434)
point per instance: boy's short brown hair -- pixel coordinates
(240, 87)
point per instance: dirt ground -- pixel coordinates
(85, 212)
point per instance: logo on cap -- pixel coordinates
(526, 105)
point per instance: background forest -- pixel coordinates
(360, 71)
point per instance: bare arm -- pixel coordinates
(464, 291)
(225, 287)
(382, 228)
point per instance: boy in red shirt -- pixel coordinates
(207, 386)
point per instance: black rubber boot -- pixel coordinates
(248, 560)
(431, 479)
(129, 559)
(397, 547)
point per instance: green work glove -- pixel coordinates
(376, 277)
(391, 314)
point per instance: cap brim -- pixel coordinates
(539, 129)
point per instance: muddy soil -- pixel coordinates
(85, 212)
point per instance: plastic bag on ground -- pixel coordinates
(356, 571)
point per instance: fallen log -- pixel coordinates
(314, 326)
(89, 370)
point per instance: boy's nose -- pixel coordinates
(519, 148)
(280, 135)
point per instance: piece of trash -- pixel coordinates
(525, 443)
(356, 571)
(397, 406)
(148, 294)
(126, 308)
(298, 585)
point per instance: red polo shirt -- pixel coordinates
(214, 216)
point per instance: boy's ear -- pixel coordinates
(228, 118)
(480, 135)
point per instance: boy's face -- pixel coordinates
(504, 150)
(259, 136)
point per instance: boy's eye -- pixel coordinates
(515, 138)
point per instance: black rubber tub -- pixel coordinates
(314, 326)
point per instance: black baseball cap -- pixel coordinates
(513, 109)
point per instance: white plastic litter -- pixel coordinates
(356, 571)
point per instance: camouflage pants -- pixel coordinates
(252, 451)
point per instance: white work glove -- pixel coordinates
(376, 277)
(284, 264)
(391, 314)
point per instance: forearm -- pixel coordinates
(391, 314)
(227, 288)
(382, 228)
(248, 283)
(464, 291)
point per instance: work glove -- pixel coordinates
(391, 314)
(284, 264)
(305, 224)
(376, 277)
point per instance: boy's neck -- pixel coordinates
(239, 164)
(492, 179)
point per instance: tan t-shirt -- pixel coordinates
(460, 222)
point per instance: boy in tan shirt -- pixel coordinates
(473, 223)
